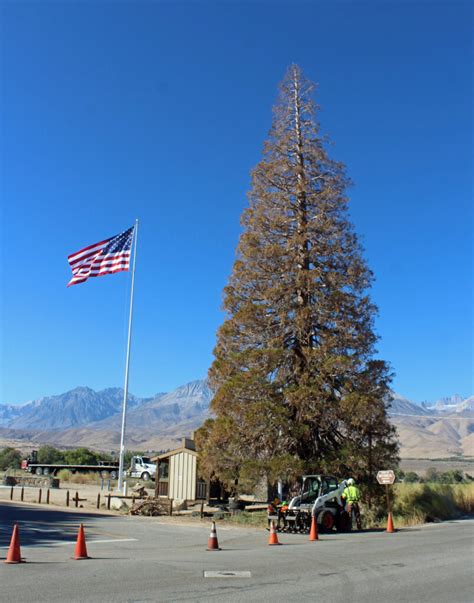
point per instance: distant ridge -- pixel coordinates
(84, 417)
(78, 407)
(402, 406)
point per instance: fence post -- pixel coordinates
(22, 493)
(108, 502)
(171, 507)
(47, 496)
(11, 493)
(202, 509)
(77, 499)
(98, 500)
(40, 493)
(67, 498)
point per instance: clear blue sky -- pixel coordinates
(117, 110)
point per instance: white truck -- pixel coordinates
(142, 467)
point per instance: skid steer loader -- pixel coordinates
(320, 496)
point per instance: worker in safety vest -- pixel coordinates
(351, 496)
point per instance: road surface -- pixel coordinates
(139, 559)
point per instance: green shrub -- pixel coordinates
(411, 477)
(50, 455)
(83, 456)
(9, 459)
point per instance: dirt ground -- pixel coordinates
(88, 493)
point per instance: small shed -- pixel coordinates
(177, 474)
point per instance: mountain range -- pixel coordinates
(84, 417)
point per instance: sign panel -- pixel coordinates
(386, 477)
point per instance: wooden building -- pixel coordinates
(177, 474)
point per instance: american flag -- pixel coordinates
(106, 257)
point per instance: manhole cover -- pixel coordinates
(227, 574)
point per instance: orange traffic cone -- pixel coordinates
(80, 552)
(212, 543)
(390, 529)
(273, 534)
(313, 534)
(14, 554)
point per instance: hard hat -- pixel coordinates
(350, 482)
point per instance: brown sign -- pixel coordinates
(386, 477)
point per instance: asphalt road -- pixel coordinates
(140, 559)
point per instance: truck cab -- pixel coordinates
(142, 467)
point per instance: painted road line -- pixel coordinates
(92, 541)
(72, 542)
(227, 574)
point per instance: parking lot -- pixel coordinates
(147, 559)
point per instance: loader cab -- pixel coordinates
(310, 489)
(314, 486)
(328, 484)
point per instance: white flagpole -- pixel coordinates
(127, 365)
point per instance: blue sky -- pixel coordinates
(158, 111)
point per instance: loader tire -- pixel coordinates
(326, 519)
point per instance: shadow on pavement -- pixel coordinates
(38, 526)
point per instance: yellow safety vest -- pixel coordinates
(352, 494)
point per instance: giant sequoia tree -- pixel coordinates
(295, 379)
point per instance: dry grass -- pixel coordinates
(421, 503)
(464, 497)
(245, 518)
(78, 478)
(414, 504)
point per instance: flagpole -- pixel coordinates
(127, 365)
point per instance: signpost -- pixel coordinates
(386, 478)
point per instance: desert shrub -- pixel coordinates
(463, 495)
(64, 475)
(78, 478)
(83, 456)
(411, 477)
(432, 475)
(452, 477)
(9, 459)
(426, 502)
(253, 518)
(50, 455)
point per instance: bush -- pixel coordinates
(83, 456)
(464, 497)
(432, 475)
(418, 503)
(10, 459)
(411, 477)
(78, 478)
(253, 518)
(50, 455)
